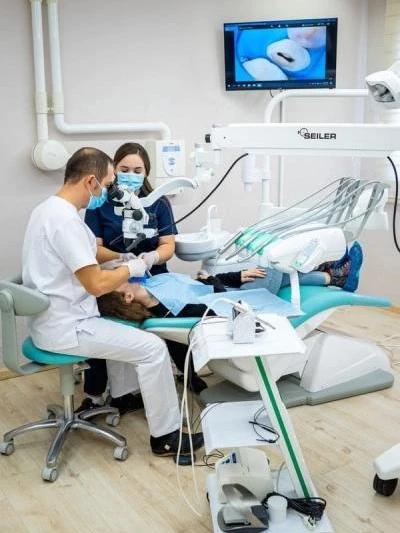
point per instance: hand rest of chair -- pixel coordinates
(26, 301)
(17, 300)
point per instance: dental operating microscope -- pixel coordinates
(132, 208)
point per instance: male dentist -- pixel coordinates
(61, 260)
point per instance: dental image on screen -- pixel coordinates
(276, 54)
(284, 55)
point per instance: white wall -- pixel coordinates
(129, 60)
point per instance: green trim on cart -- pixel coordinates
(285, 435)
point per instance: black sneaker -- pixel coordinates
(195, 384)
(87, 405)
(128, 403)
(168, 444)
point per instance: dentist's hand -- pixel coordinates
(127, 256)
(115, 263)
(150, 258)
(110, 265)
(137, 267)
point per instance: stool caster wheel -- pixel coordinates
(112, 420)
(49, 474)
(7, 448)
(386, 487)
(121, 453)
(54, 411)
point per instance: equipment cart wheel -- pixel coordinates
(386, 487)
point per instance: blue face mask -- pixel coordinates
(131, 180)
(97, 201)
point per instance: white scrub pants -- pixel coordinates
(149, 360)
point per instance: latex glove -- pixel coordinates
(137, 267)
(110, 265)
(150, 258)
(127, 256)
(251, 274)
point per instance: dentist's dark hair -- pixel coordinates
(87, 161)
(136, 149)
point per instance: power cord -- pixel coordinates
(208, 195)
(396, 200)
(256, 424)
(312, 508)
(185, 410)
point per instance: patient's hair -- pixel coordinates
(113, 304)
(87, 161)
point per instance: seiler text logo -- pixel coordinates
(315, 134)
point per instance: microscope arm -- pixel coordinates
(174, 183)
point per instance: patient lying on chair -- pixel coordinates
(135, 301)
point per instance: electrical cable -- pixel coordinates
(184, 409)
(208, 195)
(313, 508)
(256, 424)
(396, 200)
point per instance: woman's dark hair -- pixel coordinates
(136, 149)
(87, 161)
(113, 304)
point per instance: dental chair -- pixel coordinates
(334, 366)
(15, 301)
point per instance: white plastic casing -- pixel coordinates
(387, 465)
(167, 158)
(251, 470)
(50, 155)
(306, 250)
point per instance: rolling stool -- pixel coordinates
(17, 300)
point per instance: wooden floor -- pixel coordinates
(97, 494)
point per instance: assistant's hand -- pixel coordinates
(251, 274)
(150, 258)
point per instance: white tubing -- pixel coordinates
(303, 93)
(40, 78)
(117, 127)
(308, 93)
(58, 98)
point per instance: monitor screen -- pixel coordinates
(284, 54)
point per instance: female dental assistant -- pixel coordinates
(132, 167)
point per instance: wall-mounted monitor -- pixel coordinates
(280, 54)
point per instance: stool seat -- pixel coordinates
(44, 357)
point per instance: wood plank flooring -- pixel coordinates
(96, 494)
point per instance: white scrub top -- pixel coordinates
(58, 243)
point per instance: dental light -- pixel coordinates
(384, 86)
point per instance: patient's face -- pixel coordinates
(133, 292)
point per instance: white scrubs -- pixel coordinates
(58, 243)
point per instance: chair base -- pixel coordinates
(64, 419)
